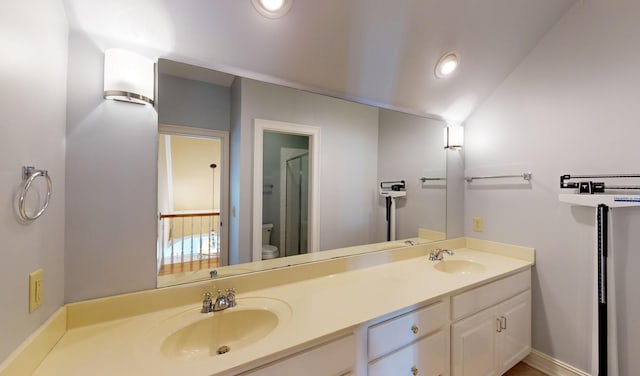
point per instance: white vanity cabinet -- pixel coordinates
(492, 327)
(415, 343)
(334, 358)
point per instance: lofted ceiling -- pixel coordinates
(376, 51)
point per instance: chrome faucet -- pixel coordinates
(436, 254)
(221, 303)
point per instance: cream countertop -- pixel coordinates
(319, 307)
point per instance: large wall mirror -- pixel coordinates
(316, 191)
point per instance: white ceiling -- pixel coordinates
(377, 51)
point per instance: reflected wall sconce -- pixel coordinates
(453, 137)
(128, 77)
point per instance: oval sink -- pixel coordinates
(459, 266)
(209, 336)
(189, 334)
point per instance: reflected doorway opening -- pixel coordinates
(192, 196)
(294, 203)
(286, 189)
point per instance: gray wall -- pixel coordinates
(348, 166)
(193, 103)
(570, 107)
(410, 147)
(110, 228)
(33, 74)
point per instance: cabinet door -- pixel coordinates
(473, 345)
(426, 357)
(515, 338)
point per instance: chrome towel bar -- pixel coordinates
(525, 175)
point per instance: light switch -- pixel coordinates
(477, 224)
(35, 290)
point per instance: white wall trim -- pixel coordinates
(314, 180)
(551, 366)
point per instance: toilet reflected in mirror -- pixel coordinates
(269, 251)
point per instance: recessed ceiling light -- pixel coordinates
(447, 64)
(272, 8)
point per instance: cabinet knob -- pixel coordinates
(415, 329)
(414, 371)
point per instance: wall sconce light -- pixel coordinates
(128, 77)
(453, 137)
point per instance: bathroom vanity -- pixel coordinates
(367, 315)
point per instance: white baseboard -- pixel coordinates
(551, 366)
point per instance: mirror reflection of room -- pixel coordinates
(285, 200)
(361, 145)
(189, 187)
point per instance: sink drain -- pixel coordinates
(223, 350)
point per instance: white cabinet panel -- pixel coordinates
(402, 330)
(425, 357)
(489, 295)
(494, 340)
(473, 345)
(516, 337)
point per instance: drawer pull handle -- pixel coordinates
(503, 323)
(414, 371)
(415, 329)
(499, 322)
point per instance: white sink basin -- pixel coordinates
(191, 334)
(459, 266)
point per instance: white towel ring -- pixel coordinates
(29, 174)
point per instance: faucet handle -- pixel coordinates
(231, 297)
(207, 303)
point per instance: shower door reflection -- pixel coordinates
(296, 204)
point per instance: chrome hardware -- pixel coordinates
(499, 325)
(415, 329)
(436, 254)
(207, 303)
(29, 174)
(525, 175)
(213, 273)
(415, 371)
(221, 303)
(231, 297)
(503, 323)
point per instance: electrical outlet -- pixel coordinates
(477, 224)
(35, 290)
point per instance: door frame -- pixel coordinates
(313, 229)
(223, 136)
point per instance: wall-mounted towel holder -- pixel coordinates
(525, 175)
(29, 174)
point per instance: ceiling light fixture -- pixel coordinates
(447, 64)
(272, 8)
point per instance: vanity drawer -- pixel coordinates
(392, 334)
(332, 358)
(475, 300)
(426, 357)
